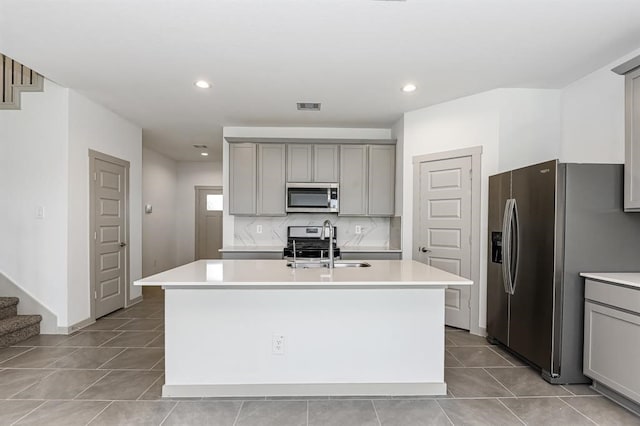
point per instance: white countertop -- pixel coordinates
(263, 274)
(369, 249)
(625, 278)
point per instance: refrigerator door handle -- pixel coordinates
(506, 256)
(515, 255)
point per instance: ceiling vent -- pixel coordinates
(200, 146)
(308, 106)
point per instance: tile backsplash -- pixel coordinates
(375, 231)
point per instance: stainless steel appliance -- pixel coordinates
(308, 243)
(312, 197)
(547, 223)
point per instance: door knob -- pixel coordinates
(123, 244)
(424, 250)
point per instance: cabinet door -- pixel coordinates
(325, 163)
(271, 180)
(382, 180)
(299, 163)
(242, 178)
(353, 180)
(632, 142)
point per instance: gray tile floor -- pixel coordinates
(111, 373)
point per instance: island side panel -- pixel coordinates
(370, 341)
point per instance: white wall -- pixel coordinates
(282, 132)
(160, 189)
(530, 127)
(92, 126)
(593, 117)
(191, 174)
(33, 172)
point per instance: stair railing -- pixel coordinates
(16, 78)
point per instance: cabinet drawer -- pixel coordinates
(615, 295)
(612, 349)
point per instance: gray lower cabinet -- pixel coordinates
(257, 255)
(271, 180)
(632, 141)
(242, 179)
(367, 180)
(612, 340)
(370, 255)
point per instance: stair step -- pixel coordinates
(8, 307)
(6, 302)
(18, 328)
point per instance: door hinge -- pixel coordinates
(469, 303)
(95, 235)
(470, 173)
(95, 294)
(95, 176)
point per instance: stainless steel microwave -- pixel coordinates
(312, 197)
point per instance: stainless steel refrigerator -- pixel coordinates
(547, 223)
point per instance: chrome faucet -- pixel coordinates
(324, 235)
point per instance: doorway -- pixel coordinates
(109, 233)
(208, 222)
(446, 226)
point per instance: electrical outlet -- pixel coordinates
(259, 229)
(277, 344)
(358, 229)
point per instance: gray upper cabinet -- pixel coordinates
(271, 180)
(353, 180)
(299, 163)
(632, 142)
(325, 163)
(367, 180)
(382, 180)
(242, 178)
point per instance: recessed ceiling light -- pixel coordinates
(204, 154)
(408, 88)
(202, 84)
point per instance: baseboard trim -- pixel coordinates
(75, 327)
(134, 301)
(304, 389)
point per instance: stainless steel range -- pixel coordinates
(308, 243)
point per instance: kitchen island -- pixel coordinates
(259, 328)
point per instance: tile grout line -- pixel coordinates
(34, 409)
(511, 411)
(501, 384)
(578, 411)
(99, 412)
(454, 357)
(307, 412)
(149, 387)
(32, 384)
(238, 413)
(21, 353)
(96, 381)
(111, 359)
(500, 355)
(444, 411)
(107, 341)
(169, 413)
(375, 410)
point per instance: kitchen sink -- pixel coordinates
(338, 264)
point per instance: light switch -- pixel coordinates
(40, 212)
(148, 208)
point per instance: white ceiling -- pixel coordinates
(140, 58)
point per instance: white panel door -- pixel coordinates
(443, 237)
(110, 233)
(208, 223)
